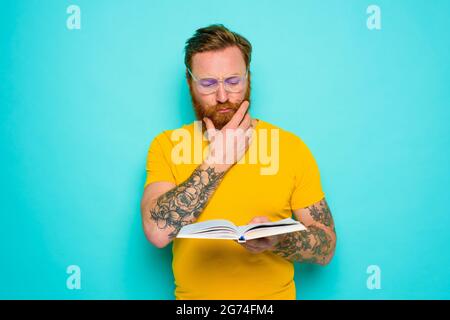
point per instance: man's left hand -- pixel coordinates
(261, 244)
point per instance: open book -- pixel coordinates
(224, 229)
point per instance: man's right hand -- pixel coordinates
(228, 145)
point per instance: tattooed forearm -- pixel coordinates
(313, 245)
(183, 204)
(320, 212)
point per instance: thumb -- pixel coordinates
(259, 219)
(210, 129)
(208, 123)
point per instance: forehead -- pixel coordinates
(217, 63)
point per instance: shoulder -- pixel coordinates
(287, 138)
(166, 138)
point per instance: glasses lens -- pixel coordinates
(207, 85)
(210, 85)
(234, 84)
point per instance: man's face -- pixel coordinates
(221, 105)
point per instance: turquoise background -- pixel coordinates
(79, 108)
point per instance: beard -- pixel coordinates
(218, 119)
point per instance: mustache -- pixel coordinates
(226, 105)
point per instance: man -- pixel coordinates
(224, 183)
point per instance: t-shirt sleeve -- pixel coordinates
(307, 186)
(158, 166)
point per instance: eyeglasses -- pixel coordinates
(231, 84)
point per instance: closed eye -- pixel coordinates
(233, 80)
(208, 82)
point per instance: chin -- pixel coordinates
(220, 120)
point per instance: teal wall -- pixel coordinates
(78, 109)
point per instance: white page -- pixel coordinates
(217, 236)
(287, 221)
(206, 225)
(267, 232)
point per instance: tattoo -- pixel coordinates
(314, 245)
(183, 204)
(321, 213)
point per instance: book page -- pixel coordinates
(209, 227)
(272, 231)
(284, 222)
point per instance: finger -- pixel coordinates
(209, 124)
(210, 129)
(260, 219)
(259, 243)
(238, 116)
(252, 244)
(251, 248)
(246, 122)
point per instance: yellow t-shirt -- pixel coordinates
(267, 186)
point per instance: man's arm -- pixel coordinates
(315, 245)
(166, 208)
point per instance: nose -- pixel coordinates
(221, 94)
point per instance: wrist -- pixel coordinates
(218, 167)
